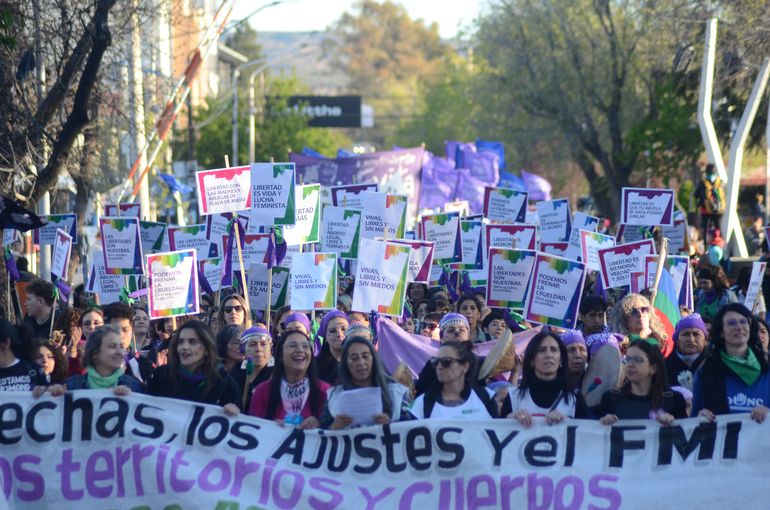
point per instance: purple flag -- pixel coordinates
(537, 187)
(471, 189)
(439, 182)
(454, 151)
(481, 165)
(493, 147)
(396, 345)
(307, 151)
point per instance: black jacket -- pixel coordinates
(225, 391)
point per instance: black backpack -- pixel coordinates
(429, 400)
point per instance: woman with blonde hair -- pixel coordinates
(634, 318)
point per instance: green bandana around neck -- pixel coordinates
(100, 382)
(747, 369)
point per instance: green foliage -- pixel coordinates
(243, 39)
(8, 28)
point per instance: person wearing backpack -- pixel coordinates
(454, 396)
(710, 197)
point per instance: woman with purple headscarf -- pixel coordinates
(332, 330)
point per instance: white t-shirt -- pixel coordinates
(471, 409)
(525, 403)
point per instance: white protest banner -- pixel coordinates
(257, 283)
(223, 190)
(381, 277)
(384, 215)
(472, 233)
(646, 206)
(443, 230)
(91, 449)
(555, 220)
(153, 236)
(46, 235)
(313, 281)
(130, 210)
(618, 262)
(122, 245)
(211, 270)
(60, 258)
(677, 236)
(519, 236)
(590, 244)
(272, 193)
(505, 205)
(755, 284)
(103, 283)
(349, 196)
(580, 221)
(192, 237)
(678, 267)
(173, 284)
(555, 290)
(308, 217)
(420, 260)
(508, 277)
(558, 249)
(341, 231)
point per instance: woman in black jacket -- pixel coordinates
(193, 372)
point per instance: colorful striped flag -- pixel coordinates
(666, 306)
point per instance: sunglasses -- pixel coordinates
(642, 310)
(444, 362)
(430, 326)
(231, 309)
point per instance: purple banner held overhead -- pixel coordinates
(483, 166)
(439, 182)
(538, 187)
(471, 189)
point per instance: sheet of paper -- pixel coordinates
(360, 404)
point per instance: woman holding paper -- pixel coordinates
(361, 368)
(734, 378)
(455, 395)
(635, 319)
(332, 330)
(193, 372)
(544, 390)
(294, 395)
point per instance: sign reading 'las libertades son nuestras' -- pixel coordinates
(91, 449)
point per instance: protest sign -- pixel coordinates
(349, 196)
(519, 236)
(173, 284)
(341, 231)
(633, 233)
(146, 451)
(618, 262)
(508, 277)
(130, 210)
(443, 230)
(122, 245)
(677, 265)
(9, 237)
(272, 194)
(313, 281)
(645, 206)
(677, 236)
(381, 277)
(420, 260)
(100, 282)
(555, 220)
(580, 221)
(558, 249)
(384, 215)
(755, 284)
(555, 290)
(505, 205)
(192, 237)
(223, 190)
(590, 244)
(307, 223)
(461, 206)
(257, 281)
(46, 235)
(472, 232)
(253, 250)
(211, 270)
(637, 281)
(60, 258)
(153, 236)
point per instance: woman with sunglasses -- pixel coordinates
(734, 378)
(256, 346)
(635, 319)
(361, 367)
(545, 390)
(455, 396)
(645, 393)
(234, 311)
(294, 395)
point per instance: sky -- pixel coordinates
(310, 15)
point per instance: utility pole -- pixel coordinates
(136, 105)
(44, 205)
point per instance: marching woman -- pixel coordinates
(361, 367)
(455, 395)
(53, 362)
(644, 393)
(470, 307)
(294, 395)
(544, 389)
(332, 330)
(193, 373)
(635, 318)
(233, 311)
(105, 362)
(228, 342)
(255, 369)
(734, 378)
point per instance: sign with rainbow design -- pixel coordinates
(313, 281)
(444, 231)
(508, 277)
(223, 190)
(122, 245)
(555, 290)
(173, 283)
(381, 277)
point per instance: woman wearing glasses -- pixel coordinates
(635, 319)
(256, 345)
(544, 390)
(294, 395)
(644, 394)
(234, 311)
(454, 395)
(360, 367)
(734, 378)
